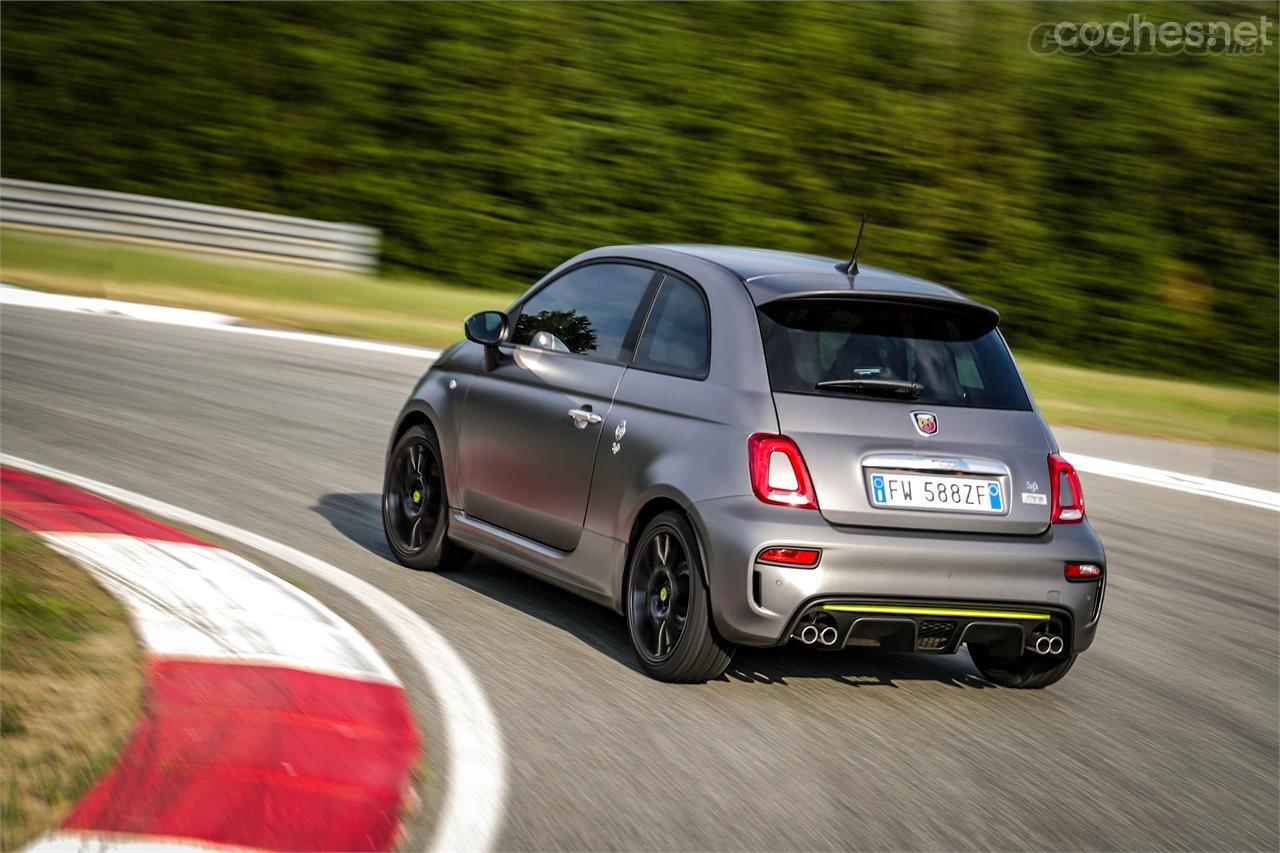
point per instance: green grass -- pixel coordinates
(71, 678)
(1165, 408)
(417, 312)
(431, 314)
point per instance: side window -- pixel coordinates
(677, 337)
(586, 311)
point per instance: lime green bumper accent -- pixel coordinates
(937, 611)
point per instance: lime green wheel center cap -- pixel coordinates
(662, 595)
(417, 496)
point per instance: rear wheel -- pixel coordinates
(1028, 671)
(668, 607)
(415, 506)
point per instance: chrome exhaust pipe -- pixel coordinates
(809, 634)
(1041, 644)
(1056, 645)
(828, 636)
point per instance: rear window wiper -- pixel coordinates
(875, 387)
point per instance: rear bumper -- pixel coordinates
(759, 604)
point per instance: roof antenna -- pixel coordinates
(851, 269)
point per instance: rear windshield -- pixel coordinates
(867, 348)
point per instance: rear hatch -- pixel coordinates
(909, 413)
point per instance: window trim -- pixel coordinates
(626, 349)
(706, 305)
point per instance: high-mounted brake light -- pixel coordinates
(1083, 571)
(778, 472)
(1066, 497)
(802, 557)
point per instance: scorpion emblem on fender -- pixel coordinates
(618, 433)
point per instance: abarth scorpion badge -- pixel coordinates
(926, 422)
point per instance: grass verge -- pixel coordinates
(71, 677)
(431, 314)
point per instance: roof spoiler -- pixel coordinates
(959, 304)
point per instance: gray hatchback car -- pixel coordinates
(734, 446)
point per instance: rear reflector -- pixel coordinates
(802, 557)
(1066, 496)
(1083, 571)
(778, 472)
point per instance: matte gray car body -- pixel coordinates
(530, 487)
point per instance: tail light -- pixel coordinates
(778, 472)
(1066, 496)
(802, 557)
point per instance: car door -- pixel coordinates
(533, 416)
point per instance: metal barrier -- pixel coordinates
(100, 214)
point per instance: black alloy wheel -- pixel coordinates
(415, 505)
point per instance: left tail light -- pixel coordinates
(778, 473)
(1065, 494)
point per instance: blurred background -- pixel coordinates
(1120, 211)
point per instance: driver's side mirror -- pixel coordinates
(486, 327)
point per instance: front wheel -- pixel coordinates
(415, 506)
(1028, 672)
(668, 607)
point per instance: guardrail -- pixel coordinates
(100, 214)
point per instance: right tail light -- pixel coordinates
(1066, 496)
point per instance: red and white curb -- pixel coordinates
(269, 722)
(470, 813)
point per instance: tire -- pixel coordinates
(668, 606)
(415, 505)
(1029, 672)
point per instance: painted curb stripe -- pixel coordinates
(197, 601)
(220, 756)
(269, 723)
(47, 506)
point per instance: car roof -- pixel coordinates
(770, 274)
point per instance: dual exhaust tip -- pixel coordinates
(811, 634)
(1043, 644)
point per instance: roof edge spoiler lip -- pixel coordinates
(956, 303)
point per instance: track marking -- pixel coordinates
(471, 815)
(11, 295)
(1189, 483)
(209, 320)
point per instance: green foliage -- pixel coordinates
(1120, 211)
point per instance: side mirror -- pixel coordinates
(486, 327)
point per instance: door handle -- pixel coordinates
(583, 417)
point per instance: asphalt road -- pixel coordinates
(1163, 737)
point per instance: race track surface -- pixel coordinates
(1164, 735)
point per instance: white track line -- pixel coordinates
(10, 295)
(1220, 489)
(471, 815)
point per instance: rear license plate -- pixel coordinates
(923, 491)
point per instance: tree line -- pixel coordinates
(1120, 211)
